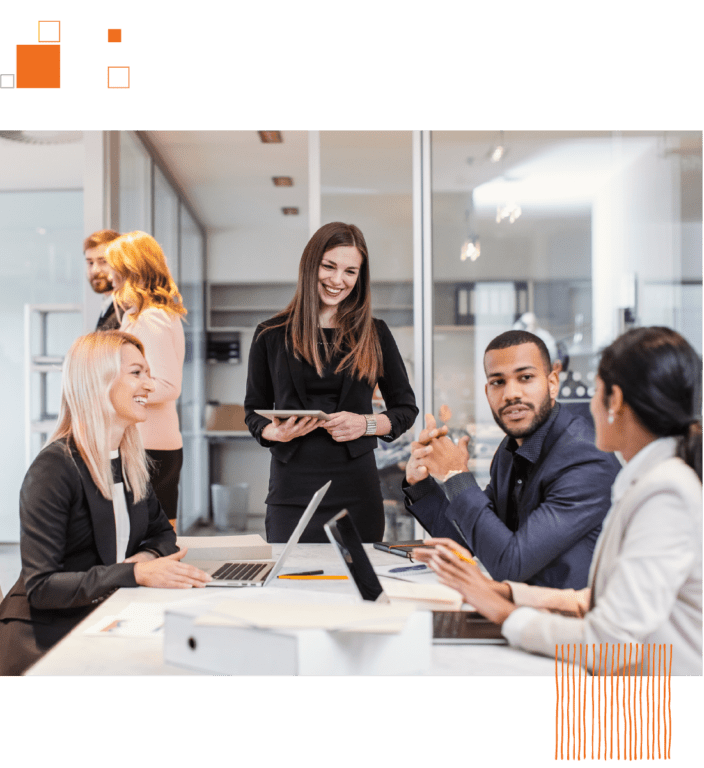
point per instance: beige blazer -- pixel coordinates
(161, 333)
(645, 581)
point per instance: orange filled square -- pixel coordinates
(114, 35)
(38, 66)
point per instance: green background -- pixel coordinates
(367, 65)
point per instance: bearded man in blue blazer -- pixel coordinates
(538, 519)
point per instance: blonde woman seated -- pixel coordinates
(645, 581)
(150, 307)
(89, 520)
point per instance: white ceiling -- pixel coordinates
(40, 166)
(227, 175)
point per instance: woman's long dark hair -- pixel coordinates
(660, 376)
(355, 339)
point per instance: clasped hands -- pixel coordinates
(435, 454)
(342, 427)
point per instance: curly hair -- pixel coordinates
(138, 259)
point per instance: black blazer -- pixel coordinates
(108, 321)
(67, 544)
(275, 380)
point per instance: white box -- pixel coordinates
(227, 650)
(118, 77)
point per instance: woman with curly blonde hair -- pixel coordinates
(150, 307)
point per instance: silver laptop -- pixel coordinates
(257, 573)
(449, 627)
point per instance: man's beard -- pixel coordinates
(101, 284)
(539, 419)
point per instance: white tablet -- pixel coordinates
(286, 414)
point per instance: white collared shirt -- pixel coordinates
(122, 518)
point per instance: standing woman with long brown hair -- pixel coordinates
(150, 307)
(326, 352)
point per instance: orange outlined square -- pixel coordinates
(39, 30)
(114, 35)
(112, 87)
(38, 66)
(49, 32)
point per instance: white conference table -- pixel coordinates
(81, 654)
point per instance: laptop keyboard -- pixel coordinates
(448, 623)
(238, 571)
(462, 625)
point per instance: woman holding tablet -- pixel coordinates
(645, 582)
(90, 522)
(325, 352)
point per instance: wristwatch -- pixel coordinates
(371, 425)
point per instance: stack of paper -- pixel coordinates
(249, 547)
(428, 596)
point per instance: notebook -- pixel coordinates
(253, 573)
(458, 627)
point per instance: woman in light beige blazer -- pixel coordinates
(150, 307)
(645, 581)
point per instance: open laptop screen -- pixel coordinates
(346, 540)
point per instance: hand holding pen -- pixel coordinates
(456, 568)
(445, 548)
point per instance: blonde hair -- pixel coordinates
(139, 261)
(91, 366)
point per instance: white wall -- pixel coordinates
(636, 232)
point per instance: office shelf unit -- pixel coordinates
(38, 367)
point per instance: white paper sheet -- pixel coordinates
(360, 617)
(136, 620)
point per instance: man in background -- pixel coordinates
(538, 519)
(97, 271)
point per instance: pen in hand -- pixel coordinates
(463, 558)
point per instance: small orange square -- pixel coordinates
(114, 35)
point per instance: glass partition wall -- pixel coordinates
(366, 179)
(576, 236)
(41, 266)
(149, 201)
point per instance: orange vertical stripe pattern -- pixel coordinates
(629, 684)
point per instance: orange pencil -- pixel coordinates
(463, 558)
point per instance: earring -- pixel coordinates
(610, 419)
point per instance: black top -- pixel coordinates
(277, 379)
